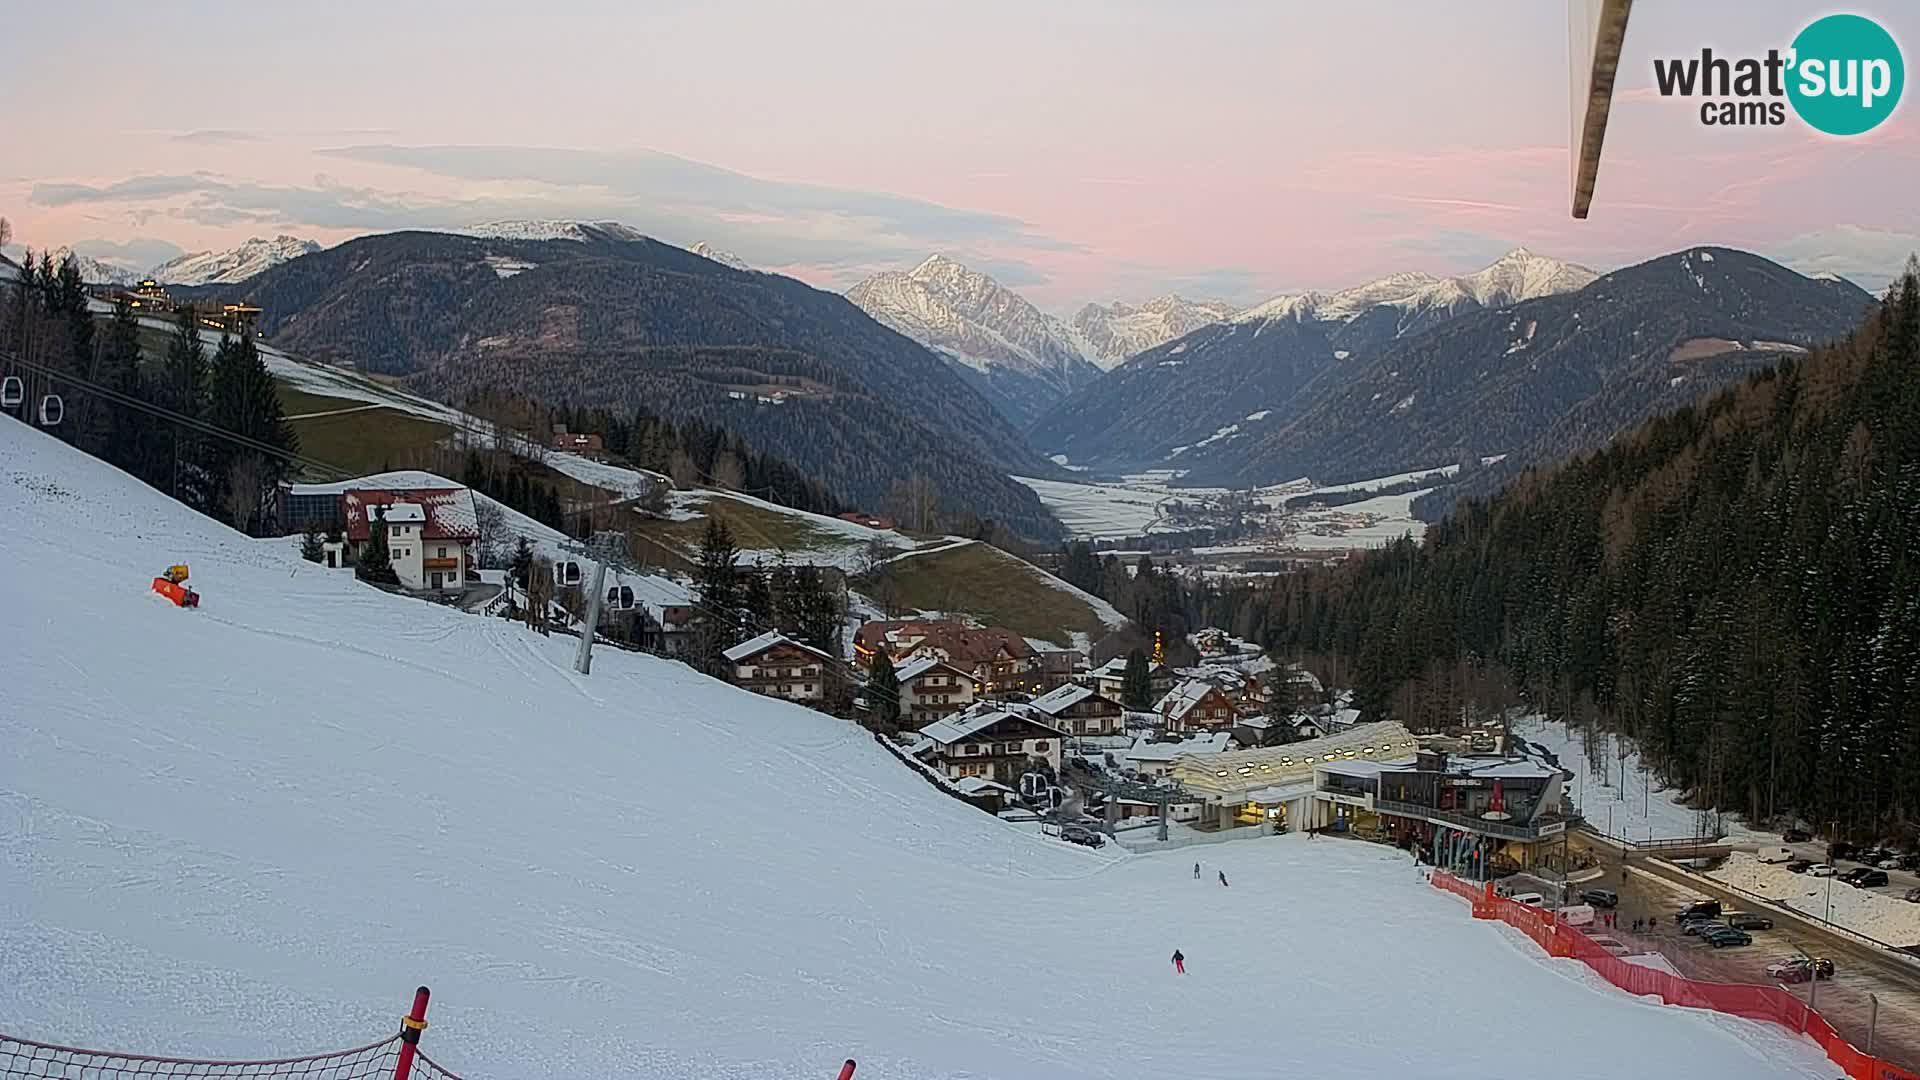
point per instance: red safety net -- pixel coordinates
(26, 1058)
(1755, 1002)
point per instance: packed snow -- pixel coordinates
(1878, 915)
(308, 796)
(1620, 798)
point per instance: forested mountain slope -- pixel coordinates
(607, 320)
(1736, 585)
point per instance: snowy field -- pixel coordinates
(253, 828)
(1620, 799)
(1876, 914)
(1133, 508)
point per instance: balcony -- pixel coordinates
(1542, 826)
(450, 563)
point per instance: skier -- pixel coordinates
(1179, 963)
(1223, 877)
(1196, 871)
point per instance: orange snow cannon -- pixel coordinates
(173, 585)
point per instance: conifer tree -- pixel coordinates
(375, 563)
(883, 693)
(183, 390)
(1136, 682)
(310, 543)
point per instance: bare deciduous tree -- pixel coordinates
(247, 492)
(539, 593)
(490, 550)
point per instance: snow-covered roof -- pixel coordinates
(1060, 699)
(953, 729)
(980, 785)
(754, 646)
(399, 480)
(1230, 775)
(1145, 751)
(920, 665)
(406, 513)
(1344, 718)
(1361, 768)
(447, 513)
(1181, 700)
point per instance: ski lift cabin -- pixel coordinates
(12, 392)
(620, 598)
(52, 410)
(566, 574)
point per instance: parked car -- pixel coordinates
(1080, 834)
(1531, 899)
(1796, 836)
(1613, 945)
(1840, 849)
(1867, 879)
(1912, 897)
(1747, 920)
(1701, 927)
(1871, 856)
(1910, 861)
(1800, 866)
(1799, 969)
(1720, 939)
(1891, 862)
(1774, 853)
(1707, 908)
(1601, 898)
(1820, 870)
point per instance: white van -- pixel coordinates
(1531, 899)
(1576, 915)
(1776, 853)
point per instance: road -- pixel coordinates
(1654, 889)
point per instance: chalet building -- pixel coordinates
(1156, 759)
(587, 446)
(1197, 705)
(931, 689)
(778, 666)
(1470, 813)
(1000, 660)
(430, 533)
(1058, 667)
(871, 521)
(990, 743)
(1110, 678)
(1081, 710)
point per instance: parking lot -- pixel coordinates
(1650, 889)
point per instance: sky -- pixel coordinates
(1078, 150)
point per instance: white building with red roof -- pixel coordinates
(430, 533)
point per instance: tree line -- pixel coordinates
(231, 473)
(1736, 586)
(734, 602)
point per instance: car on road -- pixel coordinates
(1747, 920)
(1796, 836)
(1800, 866)
(1704, 908)
(1601, 898)
(1798, 969)
(1724, 937)
(1866, 879)
(1820, 870)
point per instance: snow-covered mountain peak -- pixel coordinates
(235, 264)
(980, 324)
(1117, 331)
(553, 229)
(724, 258)
(95, 271)
(1518, 275)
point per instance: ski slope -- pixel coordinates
(253, 828)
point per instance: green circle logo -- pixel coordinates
(1846, 75)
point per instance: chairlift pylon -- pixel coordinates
(52, 410)
(12, 392)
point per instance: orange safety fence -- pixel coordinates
(1766, 1003)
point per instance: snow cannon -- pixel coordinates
(173, 585)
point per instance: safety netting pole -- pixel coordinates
(410, 1029)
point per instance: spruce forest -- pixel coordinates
(1736, 586)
